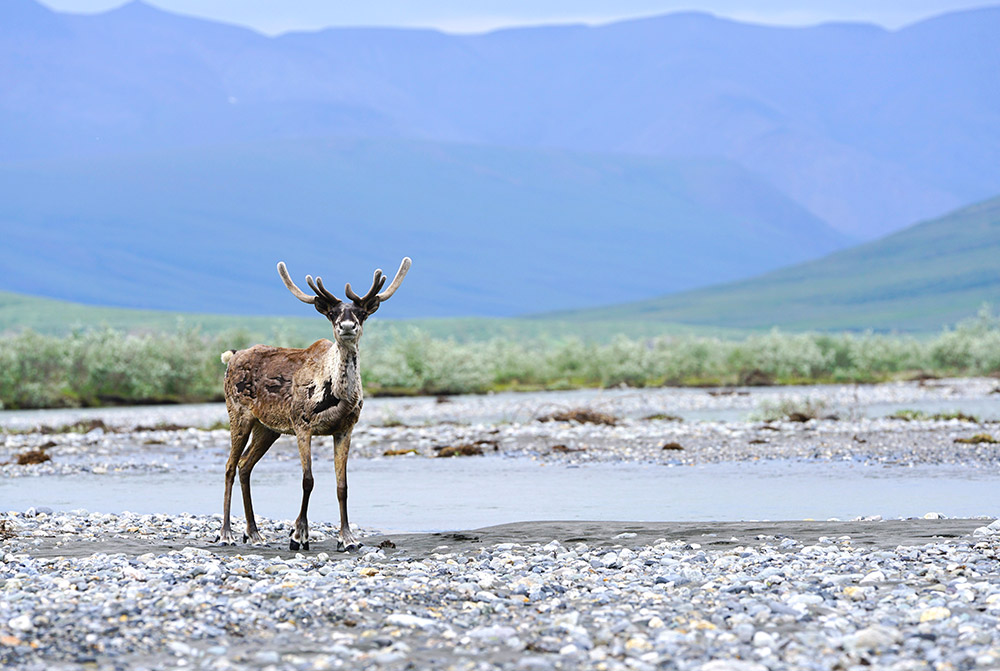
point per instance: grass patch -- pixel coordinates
(663, 417)
(791, 410)
(467, 450)
(919, 415)
(32, 457)
(978, 439)
(581, 416)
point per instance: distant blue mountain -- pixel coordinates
(868, 129)
(491, 231)
(154, 160)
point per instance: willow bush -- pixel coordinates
(106, 366)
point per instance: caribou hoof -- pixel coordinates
(350, 547)
(294, 545)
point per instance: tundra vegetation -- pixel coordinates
(106, 366)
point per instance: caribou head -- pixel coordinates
(347, 318)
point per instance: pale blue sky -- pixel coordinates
(277, 16)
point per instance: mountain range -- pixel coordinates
(159, 161)
(491, 231)
(935, 273)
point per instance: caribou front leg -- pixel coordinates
(342, 444)
(300, 534)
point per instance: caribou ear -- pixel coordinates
(324, 307)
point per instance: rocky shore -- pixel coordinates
(84, 590)
(648, 428)
(91, 590)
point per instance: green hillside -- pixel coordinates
(928, 275)
(19, 312)
(932, 274)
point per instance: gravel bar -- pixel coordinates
(147, 591)
(111, 591)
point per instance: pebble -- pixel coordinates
(201, 609)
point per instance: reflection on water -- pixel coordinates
(419, 494)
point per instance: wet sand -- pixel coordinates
(883, 534)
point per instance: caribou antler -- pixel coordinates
(404, 267)
(372, 298)
(377, 281)
(316, 286)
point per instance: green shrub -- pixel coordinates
(107, 366)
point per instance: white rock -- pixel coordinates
(991, 529)
(407, 620)
(180, 649)
(495, 634)
(21, 623)
(876, 637)
(731, 665)
(874, 576)
(565, 620)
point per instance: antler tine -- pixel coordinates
(404, 268)
(349, 292)
(377, 281)
(298, 293)
(326, 294)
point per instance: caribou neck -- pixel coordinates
(343, 369)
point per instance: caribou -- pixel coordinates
(308, 392)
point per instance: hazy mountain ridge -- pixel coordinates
(869, 129)
(515, 231)
(933, 273)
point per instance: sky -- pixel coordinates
(465, 16)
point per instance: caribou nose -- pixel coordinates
(349, 327)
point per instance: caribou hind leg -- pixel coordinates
(260, 443)
(239, 430)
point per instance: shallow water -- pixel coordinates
(418, 494)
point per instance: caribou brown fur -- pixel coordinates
(303, 392)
